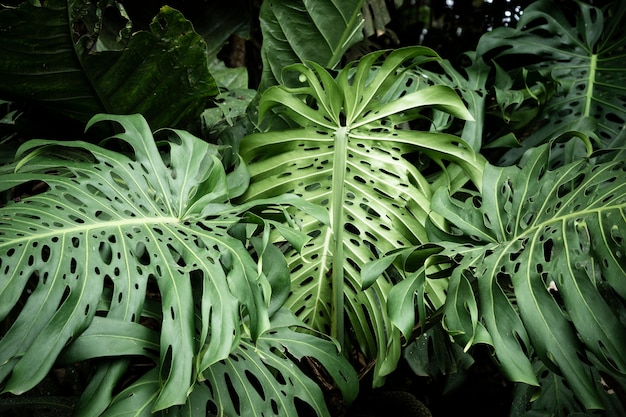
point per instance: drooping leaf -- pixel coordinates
(47, 61)
(262, 377)
(346, 153)
(306, 30)
(541, 252)
(557, 399)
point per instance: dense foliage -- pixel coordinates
(215, 246)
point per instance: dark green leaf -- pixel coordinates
(582, 51)
(546, 245)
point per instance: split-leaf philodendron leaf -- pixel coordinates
(116, 239)
(540, 267)
(582, 52)
(346, 152)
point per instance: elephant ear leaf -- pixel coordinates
(302, 30)
(45, 61)
(545, 261)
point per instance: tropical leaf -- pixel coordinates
(253, 369)
(46, 60)
(257, 378)
(582, 50)
(346, 153)
(133, 224)
(541, 268)
(306, 30)
(557, 399)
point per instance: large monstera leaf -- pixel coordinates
(541, 269)
(582, 50)
(346, 153)
(114, 233)
(63, 56)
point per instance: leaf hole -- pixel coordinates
(232, 393)
(255, 383)
(548, 245)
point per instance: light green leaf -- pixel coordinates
(138, 399)
(245, 383)
(347, 154)
(109, 337)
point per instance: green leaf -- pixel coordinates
(306, 30)
(346, 153)
(245, 383)
(581, 50)
(159, 219)
(43, 64)
(432, 354)
(138, 399)
(109, 337)
(546, 252)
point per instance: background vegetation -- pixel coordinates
(293, 207)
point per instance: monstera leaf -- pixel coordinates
(54, 55)
(346, 153)
(541, 268)
(258, 378)
(114, 235)
(306, 30)
(582, 51)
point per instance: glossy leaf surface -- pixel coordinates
(157, 220)
(45, 61)
(306, 30)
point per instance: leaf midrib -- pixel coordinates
(76, 230)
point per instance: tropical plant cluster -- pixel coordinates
(197, 245)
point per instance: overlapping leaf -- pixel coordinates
(124, 223)
(346, 153)
(258, 378)
(48, 59)
(541, 268)
(252, 370)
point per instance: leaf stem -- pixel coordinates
(592, 79)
